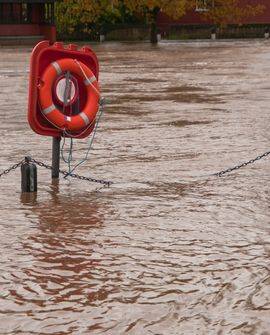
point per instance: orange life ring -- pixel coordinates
(50, 111)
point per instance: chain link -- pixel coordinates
(12, 168)
(72, 175)
(237, 167)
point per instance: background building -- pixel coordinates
(193, 24)
(27, 21)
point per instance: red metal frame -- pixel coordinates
(42, 55)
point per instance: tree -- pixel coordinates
(89, 16)
(173, 8)
(220, 12)
(224, 12)
(83, 15)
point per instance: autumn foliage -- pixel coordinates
(174, 8)
(224, 12)
(84, 14)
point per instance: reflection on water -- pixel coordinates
(165, 250)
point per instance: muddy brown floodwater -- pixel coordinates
(167, 250)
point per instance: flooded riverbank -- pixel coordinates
(166, 250)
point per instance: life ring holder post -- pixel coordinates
(42, 56)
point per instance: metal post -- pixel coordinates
(102, 38)
(56, 157)
(213, 33)
(28, 176)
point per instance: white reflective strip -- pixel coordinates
(89, 81)
(49, 109)
(85, 118)
(57, 67)
(68, 118)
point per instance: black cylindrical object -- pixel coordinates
(56, 157)
(28, 176)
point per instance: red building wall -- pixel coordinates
(195, 18)
(35, 28)
(19, 29)
(47, 31)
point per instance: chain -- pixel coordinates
(73, 175)
(94, 132)
(108, 183)
(237, 167)
(49, 167)
(12, 168)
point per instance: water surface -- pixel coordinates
(166, 250)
